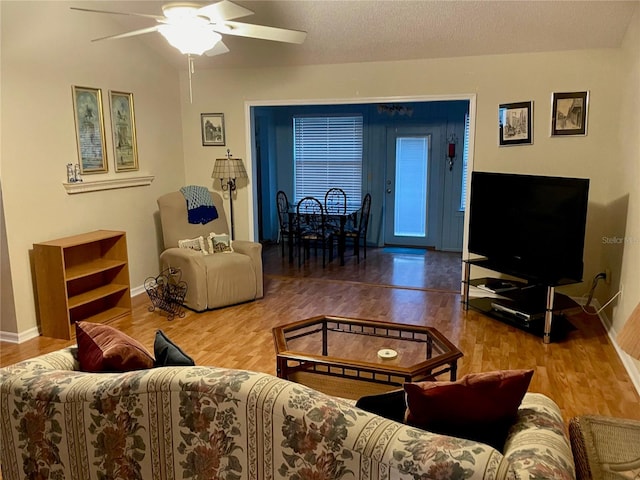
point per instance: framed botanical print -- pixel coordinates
(123, 130)
(569, 113)
(212, 125)
(89, 121)
(515, 123)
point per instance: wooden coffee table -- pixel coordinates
(340, 356)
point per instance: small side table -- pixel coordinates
(605, 447)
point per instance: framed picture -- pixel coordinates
(515, 121)
(123, 130)
(212, 125)
(89, 120)
(569, 113)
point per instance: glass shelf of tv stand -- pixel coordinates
(535, 306)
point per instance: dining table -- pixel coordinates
(350, 216)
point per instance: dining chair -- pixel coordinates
(359, 232)
(286, 230)
(312, 229)
(335, 203)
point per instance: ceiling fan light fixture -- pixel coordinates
(195, 29)
(190, 38)
(180, 10)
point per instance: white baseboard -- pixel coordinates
(11, 337)
(137, 291)
(628, 363)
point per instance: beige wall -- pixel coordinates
(46, 50)
(7, 310)
(493, 79)
(629, 182)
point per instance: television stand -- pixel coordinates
(533, 307)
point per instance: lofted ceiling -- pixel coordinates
(346, 31)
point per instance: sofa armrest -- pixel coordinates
(537, 445)
(254, 251)
(65, 359)
(184, 255)
(193, 268)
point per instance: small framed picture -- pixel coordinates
(89, 120)
(212, 125)
(569, 113)
(515, 122)
(123, 129)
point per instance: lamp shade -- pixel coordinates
(228, 168)
(629, 338)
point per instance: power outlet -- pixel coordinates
(607, 276)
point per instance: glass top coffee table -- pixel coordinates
(350, 357)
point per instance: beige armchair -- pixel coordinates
(213, 280)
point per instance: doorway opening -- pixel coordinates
(435, 119)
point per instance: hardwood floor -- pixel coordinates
(583, 374)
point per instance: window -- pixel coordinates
(410, 206)
(327, 153)
(465, 159)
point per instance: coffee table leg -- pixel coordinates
(325, 350)
(281, 367)
(453, 368)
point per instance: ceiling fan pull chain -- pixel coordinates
(190, 66)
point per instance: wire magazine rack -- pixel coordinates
(167, 292)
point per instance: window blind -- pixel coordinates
(327, 153)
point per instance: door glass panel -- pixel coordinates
(410, 212)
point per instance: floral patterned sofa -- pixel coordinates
(215, 423)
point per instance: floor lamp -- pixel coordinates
(228, 170)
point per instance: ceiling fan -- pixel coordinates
(195, 29)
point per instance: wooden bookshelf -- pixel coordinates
(82, 277)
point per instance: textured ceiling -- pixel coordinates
(345, 31)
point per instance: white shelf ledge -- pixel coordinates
(84, 187)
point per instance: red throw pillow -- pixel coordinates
(479, 406)
(102, 348)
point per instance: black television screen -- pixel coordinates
(529, 226)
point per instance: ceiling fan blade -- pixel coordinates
(160, 18)
(261, 31)
(129, 34)
(218, 49)
(223, 10)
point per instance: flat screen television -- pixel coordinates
(529, 226)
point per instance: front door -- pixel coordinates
(411, 203)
